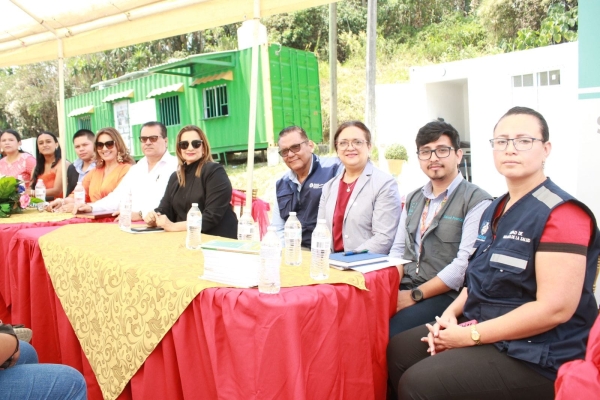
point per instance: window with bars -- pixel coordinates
(215, 102)
(169, 110)
(84, 122)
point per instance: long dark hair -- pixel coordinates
(40, 163)
(206, 155)
(15, 134)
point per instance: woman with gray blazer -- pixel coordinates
(362, 204)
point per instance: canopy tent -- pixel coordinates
(42, 30)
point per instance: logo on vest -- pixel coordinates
(484, 228)
(316, 185)
(517, 235)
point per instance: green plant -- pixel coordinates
(396, 151)
(13, 196)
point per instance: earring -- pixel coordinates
(544, 164)
(119, 158)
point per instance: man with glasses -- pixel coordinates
(146, 180)
(299, 189)
(437, 230)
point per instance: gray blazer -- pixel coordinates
(373, 211)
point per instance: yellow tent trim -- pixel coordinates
(178, 87)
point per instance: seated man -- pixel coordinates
(146, 180)
(299, 189)
(437, 229)
(83, 142)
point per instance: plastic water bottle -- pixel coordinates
(125, 213)
(320, 248)
(293, 240)
(79, 194)
(269, 279)
(194, 228)
(245, 227)
(40, 190)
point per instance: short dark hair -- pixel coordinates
(357, 124)
(433, 130)
(163, 128)
(84, 132)
(529, 111)
(291, 129)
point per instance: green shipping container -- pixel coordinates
(211, 91)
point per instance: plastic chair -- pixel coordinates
(260, 208)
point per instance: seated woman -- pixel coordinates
(361, 205)
(197, 180)
(112, 163)
(528, 287)
(21, 377)
(15, 162)
(48, 166)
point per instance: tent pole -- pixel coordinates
(253, 104)
(61, 115)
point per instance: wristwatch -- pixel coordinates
(416, 294)
(475, 335)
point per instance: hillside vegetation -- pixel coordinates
(410, 32)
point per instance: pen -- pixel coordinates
(351, 253)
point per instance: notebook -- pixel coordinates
(355, 260)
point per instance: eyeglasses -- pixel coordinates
(109, 144)
(295, 148)
(152, 139)
(183, 145)
(356, 143)
(440, 152)
(521, 144)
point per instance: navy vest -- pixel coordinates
(501, 277)
(305, 203)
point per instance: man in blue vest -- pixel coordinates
(437, 229)
(299, 190)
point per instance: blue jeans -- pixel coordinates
(30, 380)
(419, 314)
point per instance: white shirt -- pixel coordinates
(147, 187)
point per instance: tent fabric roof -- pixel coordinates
(30, 27)
(177, 87)
(118, 96)
(81, 111)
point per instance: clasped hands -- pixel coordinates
(446, 334)
(154, 218)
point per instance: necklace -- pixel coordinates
(350, 186)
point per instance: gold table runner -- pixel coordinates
(31, 215)
(123, 292)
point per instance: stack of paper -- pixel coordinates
(231, 262)
(343, 261)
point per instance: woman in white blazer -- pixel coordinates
(362, 204)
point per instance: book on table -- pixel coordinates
(231, 262)
(343, 261)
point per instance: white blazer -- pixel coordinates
(372, 214)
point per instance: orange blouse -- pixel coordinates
(48, 178)
(98, 186)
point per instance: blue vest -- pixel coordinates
(501, 277)
(305, 203)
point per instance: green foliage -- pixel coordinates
(559, 26)
(396, 151)
(9, 197)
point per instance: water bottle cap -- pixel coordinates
(194, 204)
(293, 213)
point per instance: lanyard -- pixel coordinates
(425, 225)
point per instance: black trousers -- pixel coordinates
(477, 372)
(420, 313)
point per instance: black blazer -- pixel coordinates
(72, 178)
(211, 190)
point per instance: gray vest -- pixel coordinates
(441, 241)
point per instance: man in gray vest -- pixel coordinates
(437, 230)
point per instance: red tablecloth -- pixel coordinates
(7, 231)
(314, 342)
